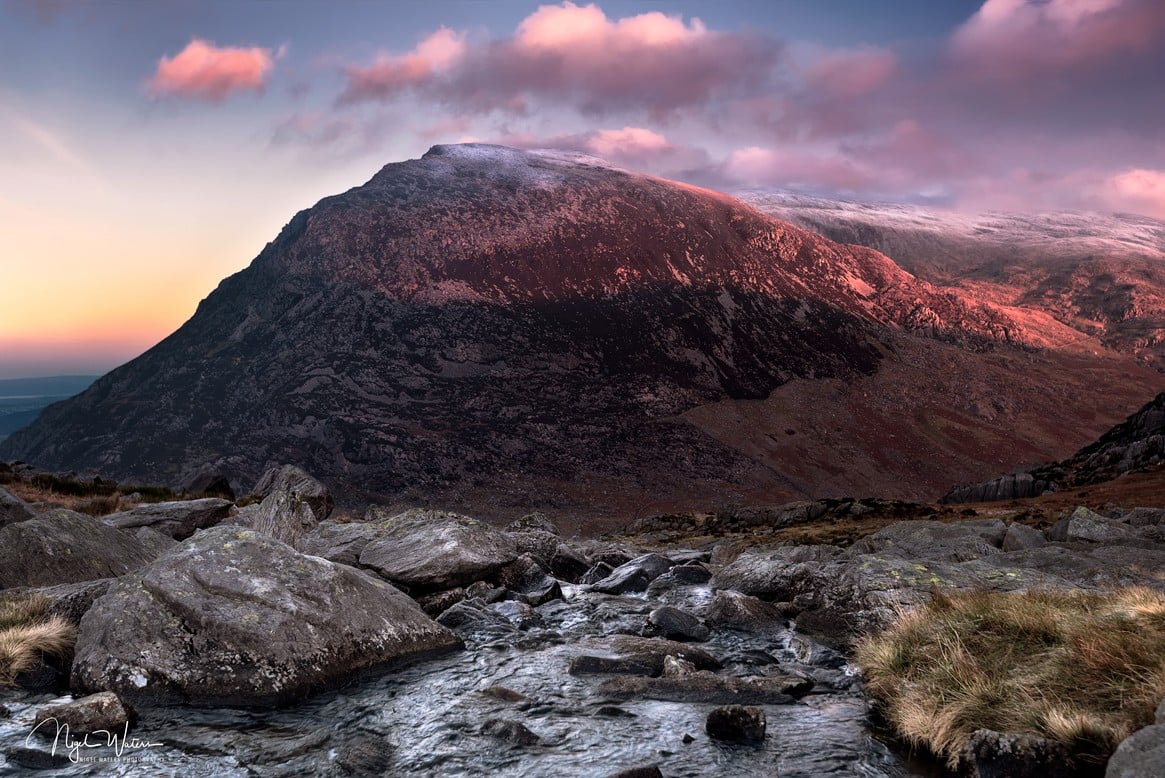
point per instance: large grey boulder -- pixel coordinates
(1086, 525)
(634, 575)
(936, 540)
(297, 481)
(233, 617)
(13, 509)
(338, 542)
(432, 550)
(1021, 537)
(179, 519)
(1140, 755)
(63, 546)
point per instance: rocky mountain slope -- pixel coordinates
(1135, 446)
(494, 328)
(1101, 274)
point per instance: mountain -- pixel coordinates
(1135, 446)
(1101, 274)
(501, 329)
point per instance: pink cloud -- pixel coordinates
(754, 165)
(629, 140)
(1137, 190)
(577, 55)
(389, 75)
(848, 74)
(209, 72)
(1011, 38)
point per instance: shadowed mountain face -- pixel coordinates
(501, 330)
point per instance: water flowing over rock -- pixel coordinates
(231, 617)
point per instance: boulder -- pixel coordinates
(936, 540)
(339, 542)
(741, 612)
(62, 546)
(597, 572)
(1145, 517)
(297, 482)
(568, 565)
(674, 624)
(680, 575)
(736, 724)
(1141, 754)
(178, 520)
(533, 522)
(283, 516)
(528, 582)
(1020, 537)
(209, 482)
(432, 550)
(539, 544)
(1086, 525)
(69, 601)
(101, 712)
(233, 617)
(13, 509)
(634, 575)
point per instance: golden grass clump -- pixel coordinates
(28, 633)
(1080, 668)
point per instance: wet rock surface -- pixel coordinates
(737, 724)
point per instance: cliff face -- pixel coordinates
(485, 322)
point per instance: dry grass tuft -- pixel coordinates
(1083, 669)
(27, 635)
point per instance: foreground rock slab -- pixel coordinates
(231, 617)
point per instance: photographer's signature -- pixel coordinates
(119, 741)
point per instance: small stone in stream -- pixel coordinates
(674, 624)
(4, 712)
(528, 582)
(510, 731)
(37, 758)
(485, 592)
(643, 771)
(585, 664)
(598, 572)
(687, 739)
(737, 724)
(567, 564)
(364, 756)
(634, 576)
(439, 602)
(613, 712)
(677, 668)
(517, 613)
(103, 711)
(505, 694)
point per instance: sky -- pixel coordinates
(150, 148)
